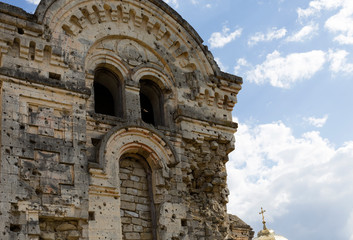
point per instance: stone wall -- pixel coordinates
(71, 171)
(135, 204)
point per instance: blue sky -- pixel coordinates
(294, 149)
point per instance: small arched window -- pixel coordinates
(107, 93)
(151, 103)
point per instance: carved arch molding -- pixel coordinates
(117, 154)
(83, 23)
(129, 57)
(147, 143)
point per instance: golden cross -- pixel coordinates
(263, 217)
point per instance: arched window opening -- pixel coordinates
(151, 103)
(104, 101)
(107, 93)
(136, 185)
(147, 114)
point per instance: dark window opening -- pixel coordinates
(32, 50)
(20, 31)
(147, 114)
(15, 227)
(95, 141)
(107, 93)
(104, 101)
(55, 76)
(151, 103)
(91, 216)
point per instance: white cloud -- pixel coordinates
(349, 225)
(290, 176)
(342, 23)
(36, 2)
(221, 65)
(220, 39)
(273, 34)
(305, 33)
(240, 63)
(316, 6)
(284, 71)
(317, 122)
(338, 61)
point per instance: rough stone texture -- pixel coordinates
(70, 170)
(135, 203)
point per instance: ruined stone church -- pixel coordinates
(115, 124)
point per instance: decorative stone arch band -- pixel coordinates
(143, 141)
(155, 74)
(106, 59)
(104, 53)
(153, 22)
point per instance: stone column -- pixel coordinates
(132, 99)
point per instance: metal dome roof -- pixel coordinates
(267, 234)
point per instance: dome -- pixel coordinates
(267, 234)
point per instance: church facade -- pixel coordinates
(115, 124)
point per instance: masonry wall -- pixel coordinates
(70, 172)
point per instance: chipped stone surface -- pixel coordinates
(115, 124)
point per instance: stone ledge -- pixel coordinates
(188, 112)
(36, 78)
(16, 12)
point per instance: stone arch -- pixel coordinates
(169, 33)
(155, 74)
(108, 92)
(106, 59)
(103, 60)
(143, 143)
(127, 140)
(156, 90)
(139, 140)
(131, 56)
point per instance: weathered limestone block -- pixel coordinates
(115, 124)
(135, 199)
(173, 222)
